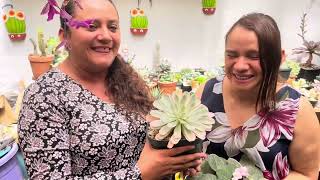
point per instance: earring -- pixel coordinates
(67, 46)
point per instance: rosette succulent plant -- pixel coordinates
(309, 48)
(180, 116)
(139, 22)
(15, 24)
(208, 6)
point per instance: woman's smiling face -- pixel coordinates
(242, 60)
(96, 47)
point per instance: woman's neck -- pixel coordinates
(81, 74)
(245, 97)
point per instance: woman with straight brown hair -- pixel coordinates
(256, 116)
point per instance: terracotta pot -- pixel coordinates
(39, 64)
(17, 37)
(208, 11)
(138, 32)
(167, 87)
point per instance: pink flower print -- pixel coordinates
(280, 168)
(279, 121)
(234, 138)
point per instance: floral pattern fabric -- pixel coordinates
(264, 138)
(66, 132)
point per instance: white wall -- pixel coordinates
(188, 38)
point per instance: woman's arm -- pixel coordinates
(304, 149)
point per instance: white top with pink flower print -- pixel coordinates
(264, 138)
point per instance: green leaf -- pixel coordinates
(202, 176)
(252, 139)
(206, 168)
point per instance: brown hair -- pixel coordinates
(269, 41)
(127, 88)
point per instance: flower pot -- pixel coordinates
(313, 103)
(167, 87)
(187, 88)
(39, 64)
(138, 31)
(309, 74)
(17, 36)
(284, 74)
(183, 142)
(208, 11)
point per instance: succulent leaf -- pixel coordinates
(183, 114)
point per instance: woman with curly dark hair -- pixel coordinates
(86, 118)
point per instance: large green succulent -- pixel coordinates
(181, 116)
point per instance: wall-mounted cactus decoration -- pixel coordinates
(208, 6)
(139, 22)
(15, 24)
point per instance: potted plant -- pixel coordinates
(15, 24)
(284, 72)
(308, 70)
(139, 22)
(40, 63)
(167, 83)
(208, 6)
(215, 167)
(181, 120)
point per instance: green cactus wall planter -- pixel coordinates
(208, 6)
(139, 22)
(15, 24)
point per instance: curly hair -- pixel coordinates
(127, 88)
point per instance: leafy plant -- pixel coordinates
(218, 168)
(45, 47)
(294, 66)
(167, 78)
(309, 47)
(156, 92)
(164, 67)
(180, 115)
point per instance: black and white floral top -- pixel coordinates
(66, 132)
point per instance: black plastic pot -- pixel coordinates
(284, 74)
(183, 142)
(186, 88)
(308, 74)
(313, 103)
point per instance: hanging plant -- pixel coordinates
(139, 22)
(15, 24)
(208, 6)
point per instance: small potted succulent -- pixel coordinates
(181, 120)
(40, 63)
(15, 24)
(168, 83)
(308, 70)
(284, 72)
(139, 22)
(208, 6)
